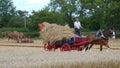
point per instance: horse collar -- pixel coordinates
(103, 36)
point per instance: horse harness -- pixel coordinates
(101, 34)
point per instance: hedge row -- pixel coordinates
(27, 32)
(36, 34)
(117, 34)
(14, 29)
(32, 34)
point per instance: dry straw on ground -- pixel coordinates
(36, 57)
(53, 32)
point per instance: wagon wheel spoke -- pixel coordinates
(45, 47)
(65, 47)
(80, 48)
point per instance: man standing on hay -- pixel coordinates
(77, 27)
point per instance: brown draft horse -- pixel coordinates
(18, 36)
(100, 38)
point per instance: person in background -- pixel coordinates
(77, 27)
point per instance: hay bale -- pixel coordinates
(53, 32)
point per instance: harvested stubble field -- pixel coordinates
(32, 55)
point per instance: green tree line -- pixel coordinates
(93, 14)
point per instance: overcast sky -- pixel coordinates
(30, 5)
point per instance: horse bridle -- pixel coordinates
(106, 36)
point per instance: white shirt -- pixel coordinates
(77, 24)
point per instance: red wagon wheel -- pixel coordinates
(48, 47)
(65, 47)
(80, 48)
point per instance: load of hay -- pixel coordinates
(53, 32)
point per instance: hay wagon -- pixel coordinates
(75, 43)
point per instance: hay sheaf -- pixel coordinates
(53, 32)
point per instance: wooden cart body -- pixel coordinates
(74, 43)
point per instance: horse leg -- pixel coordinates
(101, 47)
(8, 39)
(86, 47)
(90, 46)
(108, 47)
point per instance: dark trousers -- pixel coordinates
(77, 31)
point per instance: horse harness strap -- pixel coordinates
(103, 36)
(100, 34)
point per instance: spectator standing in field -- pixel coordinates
(77, 27)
